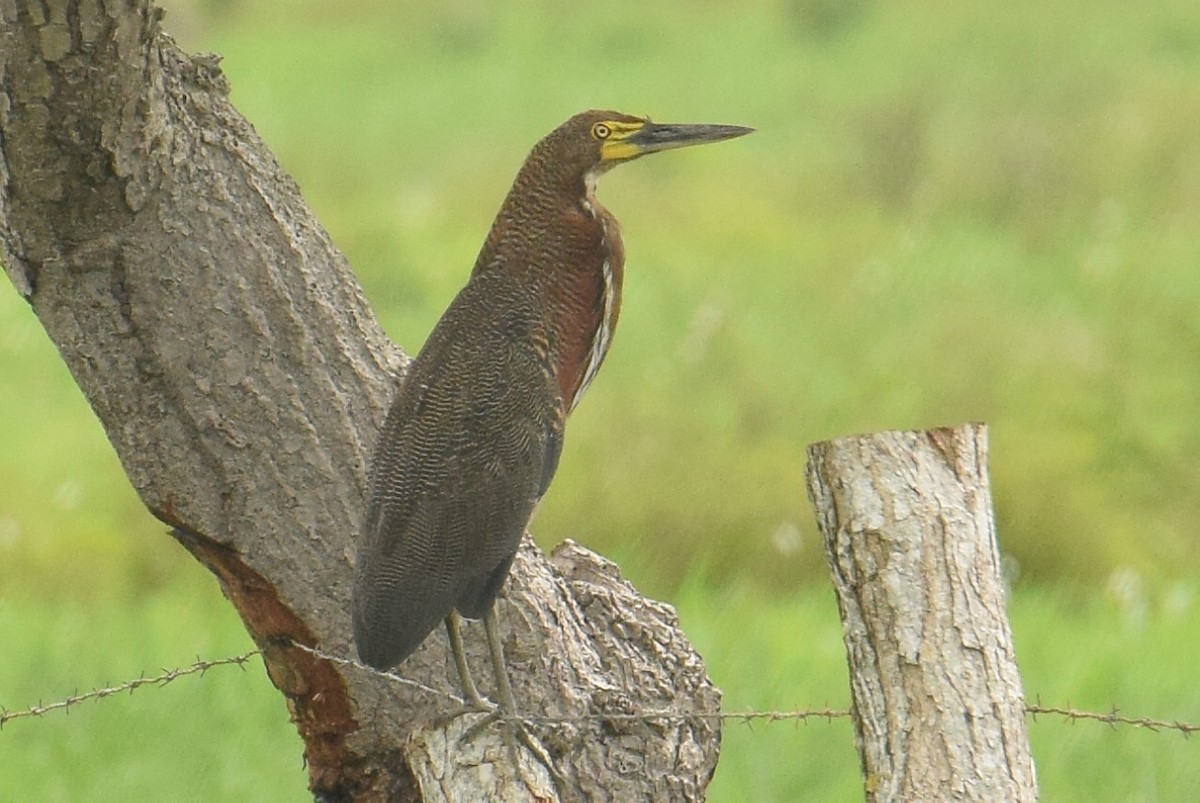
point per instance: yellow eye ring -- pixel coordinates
(601, 131)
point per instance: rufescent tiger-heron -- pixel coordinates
(472, 439)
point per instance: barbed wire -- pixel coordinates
(167, 676)
(644, 716)
(1113, 718)
(390, 675)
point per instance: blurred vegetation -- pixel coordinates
(949, 212)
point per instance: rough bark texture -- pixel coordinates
(228, 351)
(907, 522)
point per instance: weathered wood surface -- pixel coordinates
(908, 528)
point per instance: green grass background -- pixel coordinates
(949, 212)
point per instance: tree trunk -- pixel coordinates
(229, 353)
(907, 522)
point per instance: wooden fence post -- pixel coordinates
(908, 529)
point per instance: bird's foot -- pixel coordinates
(516, 730)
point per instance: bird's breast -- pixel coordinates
(586, 299)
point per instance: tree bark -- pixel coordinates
(908, 530)
(228, 351)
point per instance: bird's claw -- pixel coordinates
(492, 714)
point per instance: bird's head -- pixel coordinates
(593, 142)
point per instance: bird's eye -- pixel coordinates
(601, 131)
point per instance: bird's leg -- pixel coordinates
(471, 693)
(506, 711)
(508, 705)
(507, 708)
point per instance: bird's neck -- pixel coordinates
(565, 246)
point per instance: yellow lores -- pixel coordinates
(614, 135)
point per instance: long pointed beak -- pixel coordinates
(655, 137)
